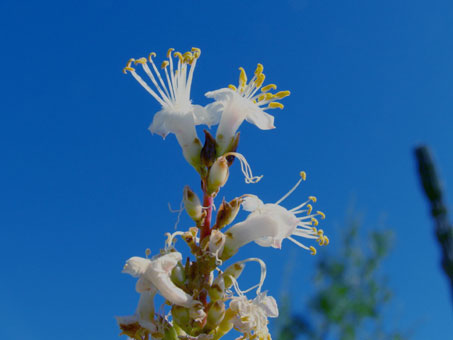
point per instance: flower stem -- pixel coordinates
(207, 204)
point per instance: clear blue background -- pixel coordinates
(84, 186)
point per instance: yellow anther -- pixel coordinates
(128, 66)
(282, 94)
(259, 69)
(314, 221)
(232, 87)
(179, 55)
(269, 87)
(320, 232)
(312, 198)
(310, 208)
(140, 61)
(260, 80)
(147, 252)
(326, 240)
(164, 64)
(131, 69)
(169, 52)
(151, 55)
(303, 175)
(196, 52)
(187, 55)
(275, 105)
(315, 230)
(313, 250)
(261, 97)
(320, 213)
(242, 77)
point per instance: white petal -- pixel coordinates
(251, 203)
(158, 125)
(221, 94)
(261, 119)
(136, 266)
(268, 305)
(207, 117)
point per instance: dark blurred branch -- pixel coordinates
(433, 191)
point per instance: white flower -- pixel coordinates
(178, 114)
(156, 272)
(251, 316)
(234, 105)
(144, 315)
(269, 224)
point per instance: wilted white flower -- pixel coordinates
(234, 105)
(156, 272)
(269, 224)
(178, 114)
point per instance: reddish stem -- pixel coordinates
(207, 204)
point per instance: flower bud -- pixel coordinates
(232, 148)
(233, 271)
(192, 204)
(208, 152)
(218, 175)
(181, 316)
(216, 314)
(178, 275)
(216, 242)
(227, 212)
(217, 289)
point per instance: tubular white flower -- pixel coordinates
(251, 316)
(269, 224)
(234, 105)
(156, 272)
(178, 114)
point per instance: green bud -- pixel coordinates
(227, 212)
(217, 289)
(178, 275)
(170, 334)
(192, 204)
(216, 313)
(235, 270)
(218, 175)
(181, 316)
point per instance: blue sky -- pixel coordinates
(84, 186)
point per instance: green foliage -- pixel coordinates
(350, 294)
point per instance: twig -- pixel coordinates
(433, 191)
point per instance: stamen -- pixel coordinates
(245, 168)
(147, 252)
(314, 221)
(262, 276)
(232, 87)
(310, 208)
(303, 175)
(165, 63)
(320, 213)
(312, 198)
(302, 178)
(313, 250)
(269, 87)
(169, 52)
(275, 105)
(282, 94)
(259, 69)
(298, 243)
(242, 78)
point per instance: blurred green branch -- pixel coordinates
(349, 293)
(433, 191)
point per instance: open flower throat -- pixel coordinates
(202, 295)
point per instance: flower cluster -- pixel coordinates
(205, 301)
